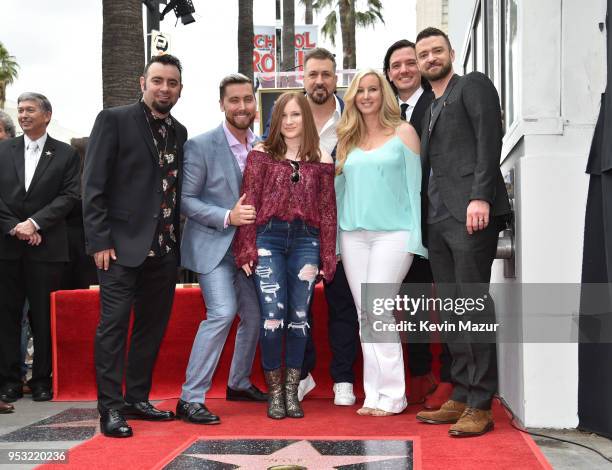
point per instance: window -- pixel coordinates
(511, 65)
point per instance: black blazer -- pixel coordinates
(420, 110)
(463, 147)
(121, 184)
(52, 194)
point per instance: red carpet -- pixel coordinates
(156, 444)
(74, 316)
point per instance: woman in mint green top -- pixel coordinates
(378, 182)
(379, 190)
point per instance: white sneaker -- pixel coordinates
(343, 394)
(306, 385)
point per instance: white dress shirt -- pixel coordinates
(31, 159)
(411, 102)
(327, 137)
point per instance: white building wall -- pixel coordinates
(561, 76)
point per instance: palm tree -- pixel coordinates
(245, 37)
(288, 41)
(308, 11)
(122, 51)
(8, 72)
(349, 19)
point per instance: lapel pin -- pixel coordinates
(48, 153)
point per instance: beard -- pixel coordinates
(319, 98)
(162, 108)
(443, 72)
(240, 125)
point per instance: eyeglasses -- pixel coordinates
(295, 175)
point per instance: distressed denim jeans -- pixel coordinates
(288, 263)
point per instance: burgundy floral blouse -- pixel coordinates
(268, 186)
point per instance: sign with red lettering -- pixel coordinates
(264, 46)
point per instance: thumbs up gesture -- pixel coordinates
(242, 214)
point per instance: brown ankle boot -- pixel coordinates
(292, 381)
(276, 397)
(473, 422)
(449, 413)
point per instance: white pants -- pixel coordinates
(378, 257)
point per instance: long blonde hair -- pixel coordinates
(351, 127)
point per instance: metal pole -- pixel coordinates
(152, 20)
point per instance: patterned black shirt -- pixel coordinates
(164, 137)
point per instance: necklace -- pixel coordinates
(165, 132)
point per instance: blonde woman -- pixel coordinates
(378, 181)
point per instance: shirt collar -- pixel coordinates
(40, 141)
(231, 138)
(414, 98)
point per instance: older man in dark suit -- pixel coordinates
(464, 206)
(39, 185)
(131, 206)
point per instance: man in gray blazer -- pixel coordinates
(211, 201)
(465, 205)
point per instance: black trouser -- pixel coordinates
(150, 289)
(343, 330)
(419, 353)
(464, 261)
(34, 280)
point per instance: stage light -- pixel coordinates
(183, 9)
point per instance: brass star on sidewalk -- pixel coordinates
(299, 453)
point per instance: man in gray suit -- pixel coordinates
(465, 205)
(211, 201)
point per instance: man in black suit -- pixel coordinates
(39, 185)
(465, 204)
(414, 97)
(131, 198)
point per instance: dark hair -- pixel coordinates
(80, 145)
(275, 143)
(164, 59)
(7, 123)
(233, 79)
(429, 32)
(320, 53)
(42, 100)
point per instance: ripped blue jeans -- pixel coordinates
(288, 263)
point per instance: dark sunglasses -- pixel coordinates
(295, 175)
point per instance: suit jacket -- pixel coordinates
(462, 145)
(122, 184)
(211, 187)
(421, 109)
(53, 192)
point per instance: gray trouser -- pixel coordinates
(227, 292)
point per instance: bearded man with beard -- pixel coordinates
(132, 180)
(464, 206)
(213, 206)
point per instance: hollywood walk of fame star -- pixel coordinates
(299, 453)
(83, 423)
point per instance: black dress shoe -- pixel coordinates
(11, 393)
(144, 410)
(250, 394)
(5, 407)
(113, 424)
(41, 394)
(195, 413)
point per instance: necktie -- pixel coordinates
(403, 107)
(30, 163)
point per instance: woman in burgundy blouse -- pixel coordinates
(290, 181)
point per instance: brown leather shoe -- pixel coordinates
(440, 396)
(473, 422)
(419, 387)
(6, 407)
(449, 413)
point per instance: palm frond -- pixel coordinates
(330, 27)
